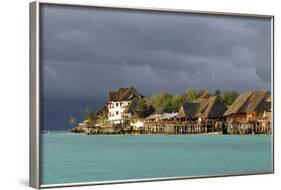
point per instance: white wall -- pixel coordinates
(120, 109)
(14, 95)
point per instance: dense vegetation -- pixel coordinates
(172, 103)
(143, 109)
(228, 97)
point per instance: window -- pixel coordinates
(111, 105)
(116, 104)
(117, 112)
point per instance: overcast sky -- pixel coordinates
(88, 51)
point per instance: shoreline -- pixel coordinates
(144, 134)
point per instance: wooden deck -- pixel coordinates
(183, 127)
(178, 127)
(250, 127)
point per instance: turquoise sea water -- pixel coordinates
(72, 158)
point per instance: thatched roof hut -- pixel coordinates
(267, 105)
(205, 106)
(203, 97)
(250, 102)
(123, 94)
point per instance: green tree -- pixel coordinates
(142, 109)
(176, 102)
(161, 100)
(166, 101)
(192, 94)
(229, 97)
(102, 116)
(172, 103)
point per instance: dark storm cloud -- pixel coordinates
(87, 52)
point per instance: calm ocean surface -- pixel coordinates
(72, 158)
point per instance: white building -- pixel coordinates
(121, 104)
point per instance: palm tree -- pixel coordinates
(102, 116)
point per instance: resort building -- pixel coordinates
(163, 123)
(250, 113)
(250, 106)
(206, 113)
(199, 116)
(203, 108)
(121, 104)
